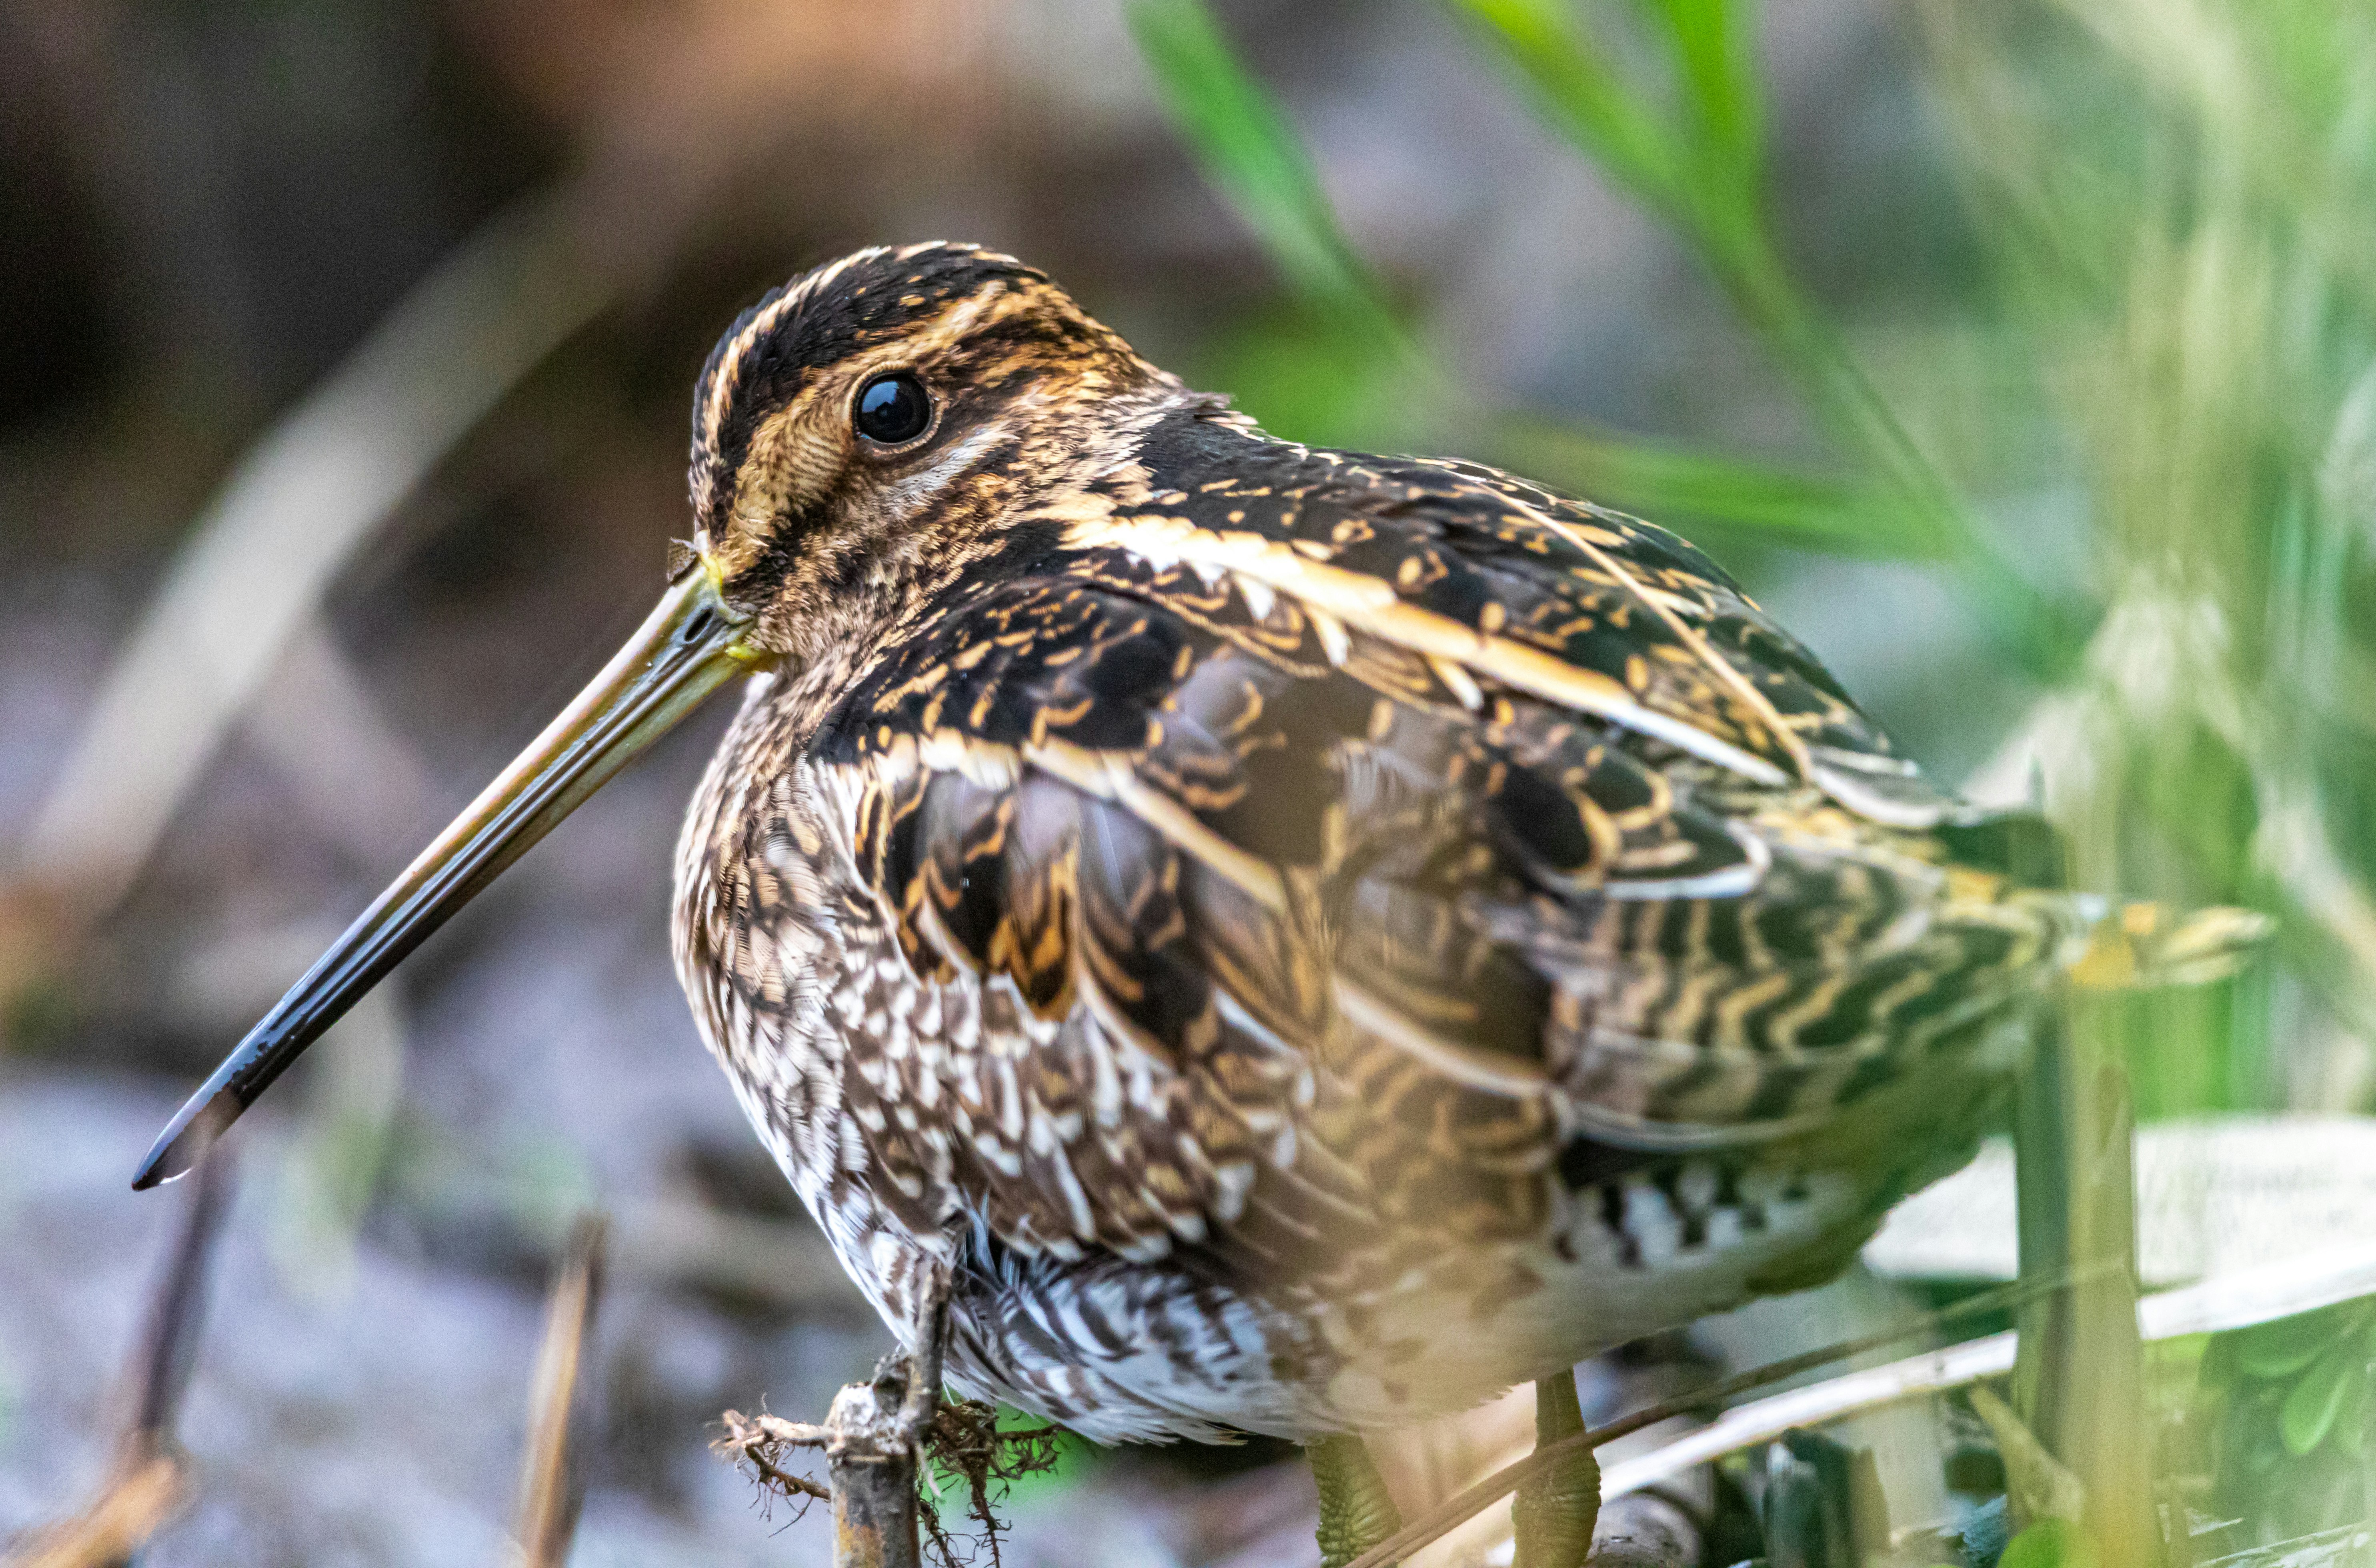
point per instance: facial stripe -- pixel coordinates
(918, 489)
(845, 307)
(737, 350)
(788, 462)
(725, 376)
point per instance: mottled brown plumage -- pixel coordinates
(1309, 939)
(1300, 940)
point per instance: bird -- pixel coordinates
(1265, 939)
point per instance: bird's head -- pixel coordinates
(872, 431)
(867, 436)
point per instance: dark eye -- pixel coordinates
(892, 409)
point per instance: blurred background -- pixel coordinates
(2017, 354)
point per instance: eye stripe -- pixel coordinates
(873, 312)
(737, 350)
(946, 275)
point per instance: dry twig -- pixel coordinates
(877, 1440)
(964, 1439)
(149, 1483)
(763, 1442)
(136, 1504)
(548, 1508)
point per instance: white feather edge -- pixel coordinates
(1367, 604)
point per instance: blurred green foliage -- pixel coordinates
(2287, 1407)
(1337, 364)
(2160, 187)
(1685, 134)
(2050, 1543)
(1252, 152)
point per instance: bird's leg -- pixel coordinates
(1554, 1512)
(1356, 1510)
(921, 1398)
(875, 1439)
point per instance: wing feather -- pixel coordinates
(1331, 910)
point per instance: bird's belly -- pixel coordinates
(1158, 1350)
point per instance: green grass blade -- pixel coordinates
(1669, 482)
(1716, 52)
(1247, 147)
(1578, 89)
(1703, 180)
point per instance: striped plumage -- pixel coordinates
(1307, 939)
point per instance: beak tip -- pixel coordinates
(186, 1141)
(168, 1161)
(160, 1168)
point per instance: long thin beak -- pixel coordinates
(691, 646)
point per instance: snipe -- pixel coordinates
(1300, 940)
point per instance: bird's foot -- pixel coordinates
(1555, 1511)
(1356, 1510)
